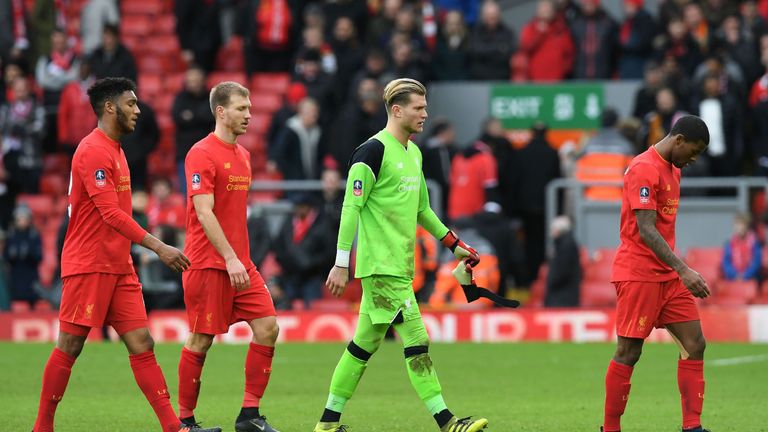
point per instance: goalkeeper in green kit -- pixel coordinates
(387, 194)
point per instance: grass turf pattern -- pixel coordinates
(518, 387)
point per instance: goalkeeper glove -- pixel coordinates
(463, 274)
(460, 249)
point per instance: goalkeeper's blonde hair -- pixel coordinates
(399, 91)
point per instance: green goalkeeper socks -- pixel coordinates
(336, 403)
(424, 380)
(346, 376)
(435, 405)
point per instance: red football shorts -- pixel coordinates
(96, 299)
(641, 306)
(213, 304)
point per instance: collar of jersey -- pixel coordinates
(107, 138)
(220, 142)
(386, 138)
(658, 155)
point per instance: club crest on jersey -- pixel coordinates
(645, 195)
(357, 187)
(101, 177)
(196, 181)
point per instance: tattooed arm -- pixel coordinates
(646, 224)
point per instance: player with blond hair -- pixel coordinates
(387, 196)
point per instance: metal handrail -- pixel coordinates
(742, 185)
(435, 193)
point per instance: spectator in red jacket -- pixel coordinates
(546, 43)
(474, 181)
(165, 208)
(76, 118)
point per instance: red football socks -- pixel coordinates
(55, 379)
(190, 370)
(690, 380)
(150, 379)
(617, 385)
(258, 367)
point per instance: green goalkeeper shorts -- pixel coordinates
(384, 296)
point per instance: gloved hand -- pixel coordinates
(460, 249)
(463, 274)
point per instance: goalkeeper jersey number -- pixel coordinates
(386, 191)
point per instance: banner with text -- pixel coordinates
(559, 106)
(724, 324)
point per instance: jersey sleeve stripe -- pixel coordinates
(369, 168)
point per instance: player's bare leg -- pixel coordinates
(191, 364)
(628, 350)
(258, 367)
(70, 344)
(690, 371)
(56, 375)
(618, 381)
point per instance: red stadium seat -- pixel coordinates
(165, 24)
(269, 268)
(734, 292)
(265, 102)
(167, 139)
(156, 64)
(60, 206)
(57, 163)
(141, 7)
(49, 264)
(174, 83)
(538, 289)
(252, 142)
(217, 77)
(263, 196)
(600, 265)
(135, 44)
(150, 85)
(165, 122)
(596, 293)
(162, 163)
(762, 295)
(270, 82)
(164, 44)
(163, 103)
(40, 205)
(260, 123)
(230, 57)
(135, 25)
(19, 306)
(706, 261)
(54, 221)
(54, 184)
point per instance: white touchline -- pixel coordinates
(738, 360)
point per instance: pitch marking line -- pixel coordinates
(739, 360)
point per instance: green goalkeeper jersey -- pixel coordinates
(387, 194)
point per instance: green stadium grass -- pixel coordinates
(518, 387)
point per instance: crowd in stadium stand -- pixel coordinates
(316, 70)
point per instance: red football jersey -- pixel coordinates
(650, 183)
(100, 227)
(224, 170)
